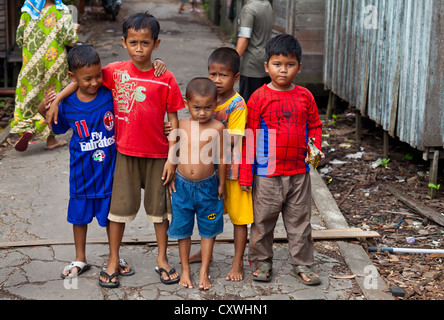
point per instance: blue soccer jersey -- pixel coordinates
(92, 147)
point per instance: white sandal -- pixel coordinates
(75, 264)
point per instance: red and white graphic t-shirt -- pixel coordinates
(141, 101)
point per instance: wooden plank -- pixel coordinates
(327, 234)
(424, 211)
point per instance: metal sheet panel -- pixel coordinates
(385, 71)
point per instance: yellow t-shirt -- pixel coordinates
(233, 114)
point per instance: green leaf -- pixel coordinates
(434, 186)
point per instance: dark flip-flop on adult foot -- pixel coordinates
(23, 142)
(168, 273)
(60, 143)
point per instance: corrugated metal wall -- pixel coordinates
(385, 58)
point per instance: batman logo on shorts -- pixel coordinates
(212, 216)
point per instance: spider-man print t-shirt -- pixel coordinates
(278, 126)
(92, 147)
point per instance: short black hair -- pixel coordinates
(140, 21)
(284, 44)
(82, 56)
(201, 86)
(226, 56)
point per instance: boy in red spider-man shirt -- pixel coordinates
(281, 116)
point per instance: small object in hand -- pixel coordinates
(314, 154)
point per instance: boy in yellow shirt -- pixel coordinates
(223, 69)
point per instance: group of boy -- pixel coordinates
(108, 110)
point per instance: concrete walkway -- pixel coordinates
(34, 199)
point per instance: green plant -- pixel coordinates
(384, 162)
(434, 186)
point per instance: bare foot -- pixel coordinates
(236, 273)
(70, 273)
(306, 278)
(204, 281)
(195, 258)
(57, 144)
(258, 271)
(185, 278)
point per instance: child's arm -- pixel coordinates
(249, 143)
(169, 170)
(53, 109)
(45, 103)
(222, 167)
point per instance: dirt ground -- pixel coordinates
(357, 178)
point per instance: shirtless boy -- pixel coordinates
(198, 188)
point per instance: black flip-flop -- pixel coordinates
(110, 284)
(123, 264)
(169, 281)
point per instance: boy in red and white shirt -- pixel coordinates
(281, 118)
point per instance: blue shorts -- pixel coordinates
(198, 197)
(82, 211)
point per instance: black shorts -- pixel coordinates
(248, 85)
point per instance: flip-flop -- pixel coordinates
(23, 142)
(110, 284)
(123, 264)
(75, 264)
(169, 281)
(61, 143)
(296, 272)
(264, 268)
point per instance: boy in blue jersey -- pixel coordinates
(90, 113)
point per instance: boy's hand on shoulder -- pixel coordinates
(159, 67)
